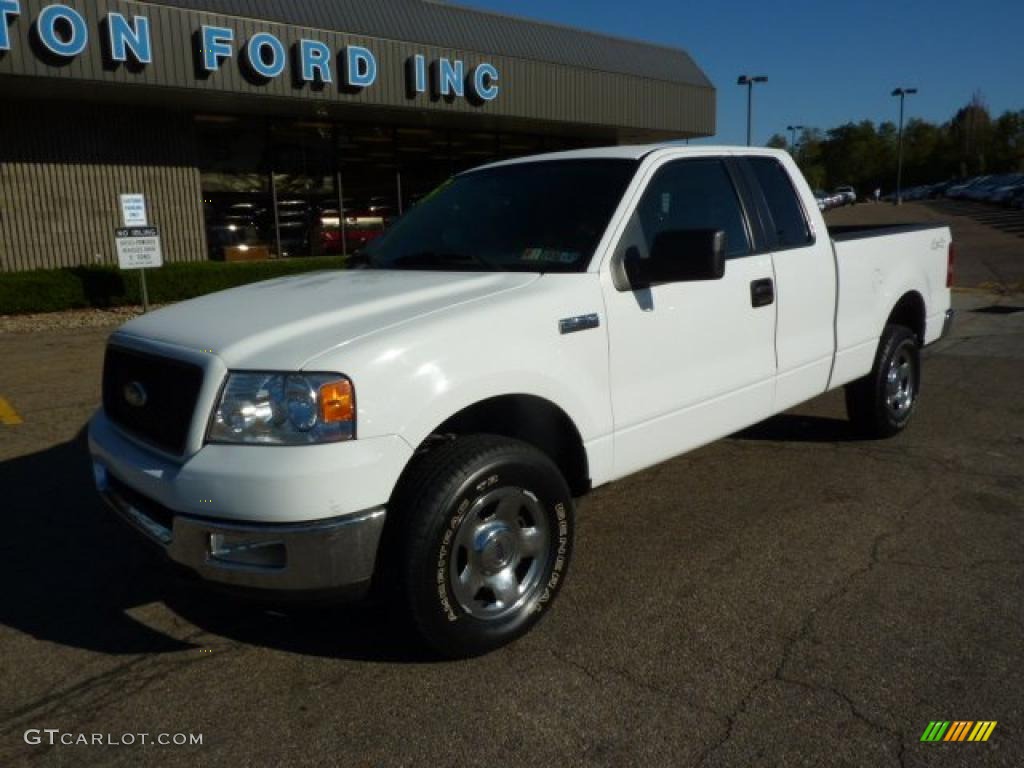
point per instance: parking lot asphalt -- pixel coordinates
(787, 596)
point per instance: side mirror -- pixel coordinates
(680, 255)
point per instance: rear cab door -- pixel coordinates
(805, 275)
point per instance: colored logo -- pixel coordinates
(958, 730)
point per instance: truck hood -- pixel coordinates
(283, 323)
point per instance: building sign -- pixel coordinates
(138, 247)
(133, 211)
(61, 33)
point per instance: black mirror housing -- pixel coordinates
(680, 255)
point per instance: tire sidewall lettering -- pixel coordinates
(449, 607)
(560, 558)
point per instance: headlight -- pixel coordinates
(284, 409)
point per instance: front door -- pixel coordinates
(690, 361)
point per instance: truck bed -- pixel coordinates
(846, 232)
(876, 267)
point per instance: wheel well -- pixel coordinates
(533, 420)
(909, 312)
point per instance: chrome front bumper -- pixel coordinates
(335, 555)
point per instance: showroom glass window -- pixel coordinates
(286, 188)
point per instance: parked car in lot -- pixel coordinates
(939, 190)
(848, 194)
(983, 190)
(1005, 189)
(920, 192)
(958, 191)
(537, 328)
(828, 200)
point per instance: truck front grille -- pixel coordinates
(151, 397)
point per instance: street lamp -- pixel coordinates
(792, 136)
(902, 93)
(749, 80)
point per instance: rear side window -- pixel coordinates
(791, 227)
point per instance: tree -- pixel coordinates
(851, 154)
(971, 128)
(923, 149)
(808, 157)
(864, 155)
(1007, 146)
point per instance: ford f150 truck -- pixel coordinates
(419, 428)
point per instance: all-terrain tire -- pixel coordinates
(881, 404)
(481, 537)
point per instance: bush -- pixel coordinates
(52, 290)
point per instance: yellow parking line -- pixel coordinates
(8, 415)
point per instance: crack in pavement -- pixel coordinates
(805, 629)
(96, 693)
(635, 682)
(962, 568)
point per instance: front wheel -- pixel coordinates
(485, 534)
(881, 403)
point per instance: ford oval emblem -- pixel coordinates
(135, 394)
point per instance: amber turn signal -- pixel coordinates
(337, 402)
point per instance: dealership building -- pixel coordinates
(288, 128)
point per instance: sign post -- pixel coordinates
(139, 248)
(133, 211)
(134, 219)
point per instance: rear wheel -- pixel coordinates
(484, 536)
(881, 403)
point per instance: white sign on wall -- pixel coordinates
(138, 247)
(133, 210)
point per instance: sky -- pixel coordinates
(828, 62)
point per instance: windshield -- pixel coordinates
(544, 216)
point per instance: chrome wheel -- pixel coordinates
(499, 553)
(900, 384)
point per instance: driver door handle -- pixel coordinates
(762, 292)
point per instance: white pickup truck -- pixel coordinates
(419, 428)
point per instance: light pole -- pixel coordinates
(749, 80)
(902, 93)
(792, 136)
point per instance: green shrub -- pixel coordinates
(52, 290)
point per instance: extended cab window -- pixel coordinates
(791, 227)
(692, 194)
